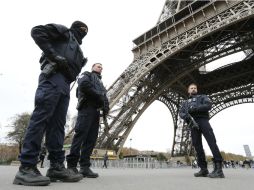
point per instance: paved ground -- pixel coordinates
(142, 179)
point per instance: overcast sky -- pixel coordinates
(113, 24)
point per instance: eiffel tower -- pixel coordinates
(174, 53)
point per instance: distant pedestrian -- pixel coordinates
(246, 164)
(42, 156)
(105, 160)
(194, 164)
(232, 163)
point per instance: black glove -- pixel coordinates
(61, 61)
(101, 100)
(105, 112)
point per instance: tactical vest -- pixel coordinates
(97, 85)
(70, 49)
(197, 101)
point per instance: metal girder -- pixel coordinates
(170, 8)
(227, 86)
(168, 57)
(172, 41)
(231, 97)
(182, 140)
(130, 99)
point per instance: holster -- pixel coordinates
(48, 67)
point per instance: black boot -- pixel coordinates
(74, 170)
(202, 173)
(30, 176)
(217, 172)
(87, 172)
(72, 167)
(57, 171)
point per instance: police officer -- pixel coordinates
(91, 100)
(42, 155)
(197, 106)
(61, 62)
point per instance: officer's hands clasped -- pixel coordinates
(61, 61)
(53, 63)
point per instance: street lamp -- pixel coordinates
(130, 146)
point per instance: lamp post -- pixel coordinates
(130, 146)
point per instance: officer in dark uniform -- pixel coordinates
(42, 155)
(91, 100)
(197, 106)
(61, 62)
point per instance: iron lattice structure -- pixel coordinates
(188, 35)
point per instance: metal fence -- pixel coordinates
(134, 163)
(129, 163)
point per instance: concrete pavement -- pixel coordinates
(142, 179)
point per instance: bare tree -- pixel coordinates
(68, 122)
(19, 124)
(69, 129)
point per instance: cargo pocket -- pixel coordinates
(47, 96)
